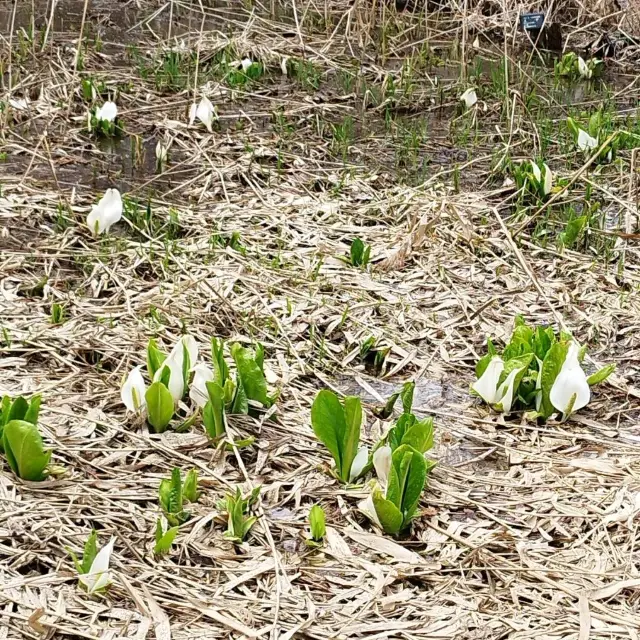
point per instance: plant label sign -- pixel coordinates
(532, 21)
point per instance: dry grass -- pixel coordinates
(526, 531)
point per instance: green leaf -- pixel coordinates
(414, 478)
(406, 394)
(164, 540)
(420, 435)
(25, 450)
(260, 356)
(482, 364)
(5, 408)
(220, 368)
(240, 404)
(317, 523)
(389, 515)
(551, 366)
(190, 487)
(329, 424)
(175, 492)
(250, 375)
(397, 432)
(601, 375)
(155, 358)
(164, 494)
(572, 231)
(18, 409)
(213, 414)
(573, 127)
(159, 406)
(33, 411)
(356, 252)
(351, 436)
(89, 553)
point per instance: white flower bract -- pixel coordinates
(107, 112)
(106, 213)
(133, 390)
(585, 141)
(198, 390)
(99, 577)
(359, 463)
(469, 97)
(203, 111)
(570, 390)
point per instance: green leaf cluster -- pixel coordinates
(20, 439)
(237, 509)
(337, 425)
(234, 394)
(173, 493)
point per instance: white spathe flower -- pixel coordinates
(175, 364)
(505, 391)
(161, 152)
(548, 180)
(198, 390)
(106, 213)
(204, 111)
(99, 577)
(246, 63)
(583, 68)
(359, 463)
(368, 507)
(536, 172)
(486, 386)
(585, 141)
(570, 383)
(107, 112)
(133, 390)
(469, 97)
(382, 465)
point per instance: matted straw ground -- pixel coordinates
(525, 531)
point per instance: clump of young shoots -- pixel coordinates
(359, 253)
(573, 66)
(317, 526)
(172, 494)
(21, 440)
(337, 426)
(218, 393)
(401, 467)
(535, 179)
(104, 120)
(164, 536)
(94, 575)
(538, 371)
(590, 139)
(237, 508)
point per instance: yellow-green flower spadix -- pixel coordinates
(570, 390)
(106, 213)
